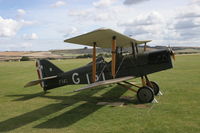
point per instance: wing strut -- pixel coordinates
(113, 56)
(133, 48)
(94, 63)
(145, 46)
(136, 46)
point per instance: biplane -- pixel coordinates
(120, 70)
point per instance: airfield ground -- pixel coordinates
(30, 110)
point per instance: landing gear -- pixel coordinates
(145, 94)
(45, 92)
(154, 86)
(151, 84)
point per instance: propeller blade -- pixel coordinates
(173, 56)
(171, 53)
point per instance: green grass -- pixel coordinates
(29, 110)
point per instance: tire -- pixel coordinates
(145, 94)
(155, 88)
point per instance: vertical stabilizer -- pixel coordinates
(46, 69)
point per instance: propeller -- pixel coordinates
(172, 53)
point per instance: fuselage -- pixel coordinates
(126, 65)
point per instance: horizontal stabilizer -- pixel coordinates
(106, 82)
(35, 82)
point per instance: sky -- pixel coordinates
(39, 25)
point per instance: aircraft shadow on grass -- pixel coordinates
(67, 118)
(28, 96)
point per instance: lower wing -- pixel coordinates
(106, 82)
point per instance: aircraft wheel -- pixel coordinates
(145, 94)
(155, 88)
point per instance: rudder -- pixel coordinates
(46, 69)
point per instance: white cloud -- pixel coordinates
(27, 23)
(132, 2)
(58, 4)
(151, 24)
(26, 45)
(9, 27)
(32, 36)
(102, 16)
(15, 44)
(161, 26)
(70, 31)
(99, 15)
(80, 13)
(195, 2)
(182, 25)
(187, 22)
(166, 23)
(190, 11)
(21, 13)
(145, 19)
(103, 3)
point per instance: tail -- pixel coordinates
(47, 74)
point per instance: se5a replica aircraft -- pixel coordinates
(119, 70)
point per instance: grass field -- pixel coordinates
(30, 110)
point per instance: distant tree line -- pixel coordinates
(25, 58)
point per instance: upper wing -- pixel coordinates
(100, 83)
(103, 39)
